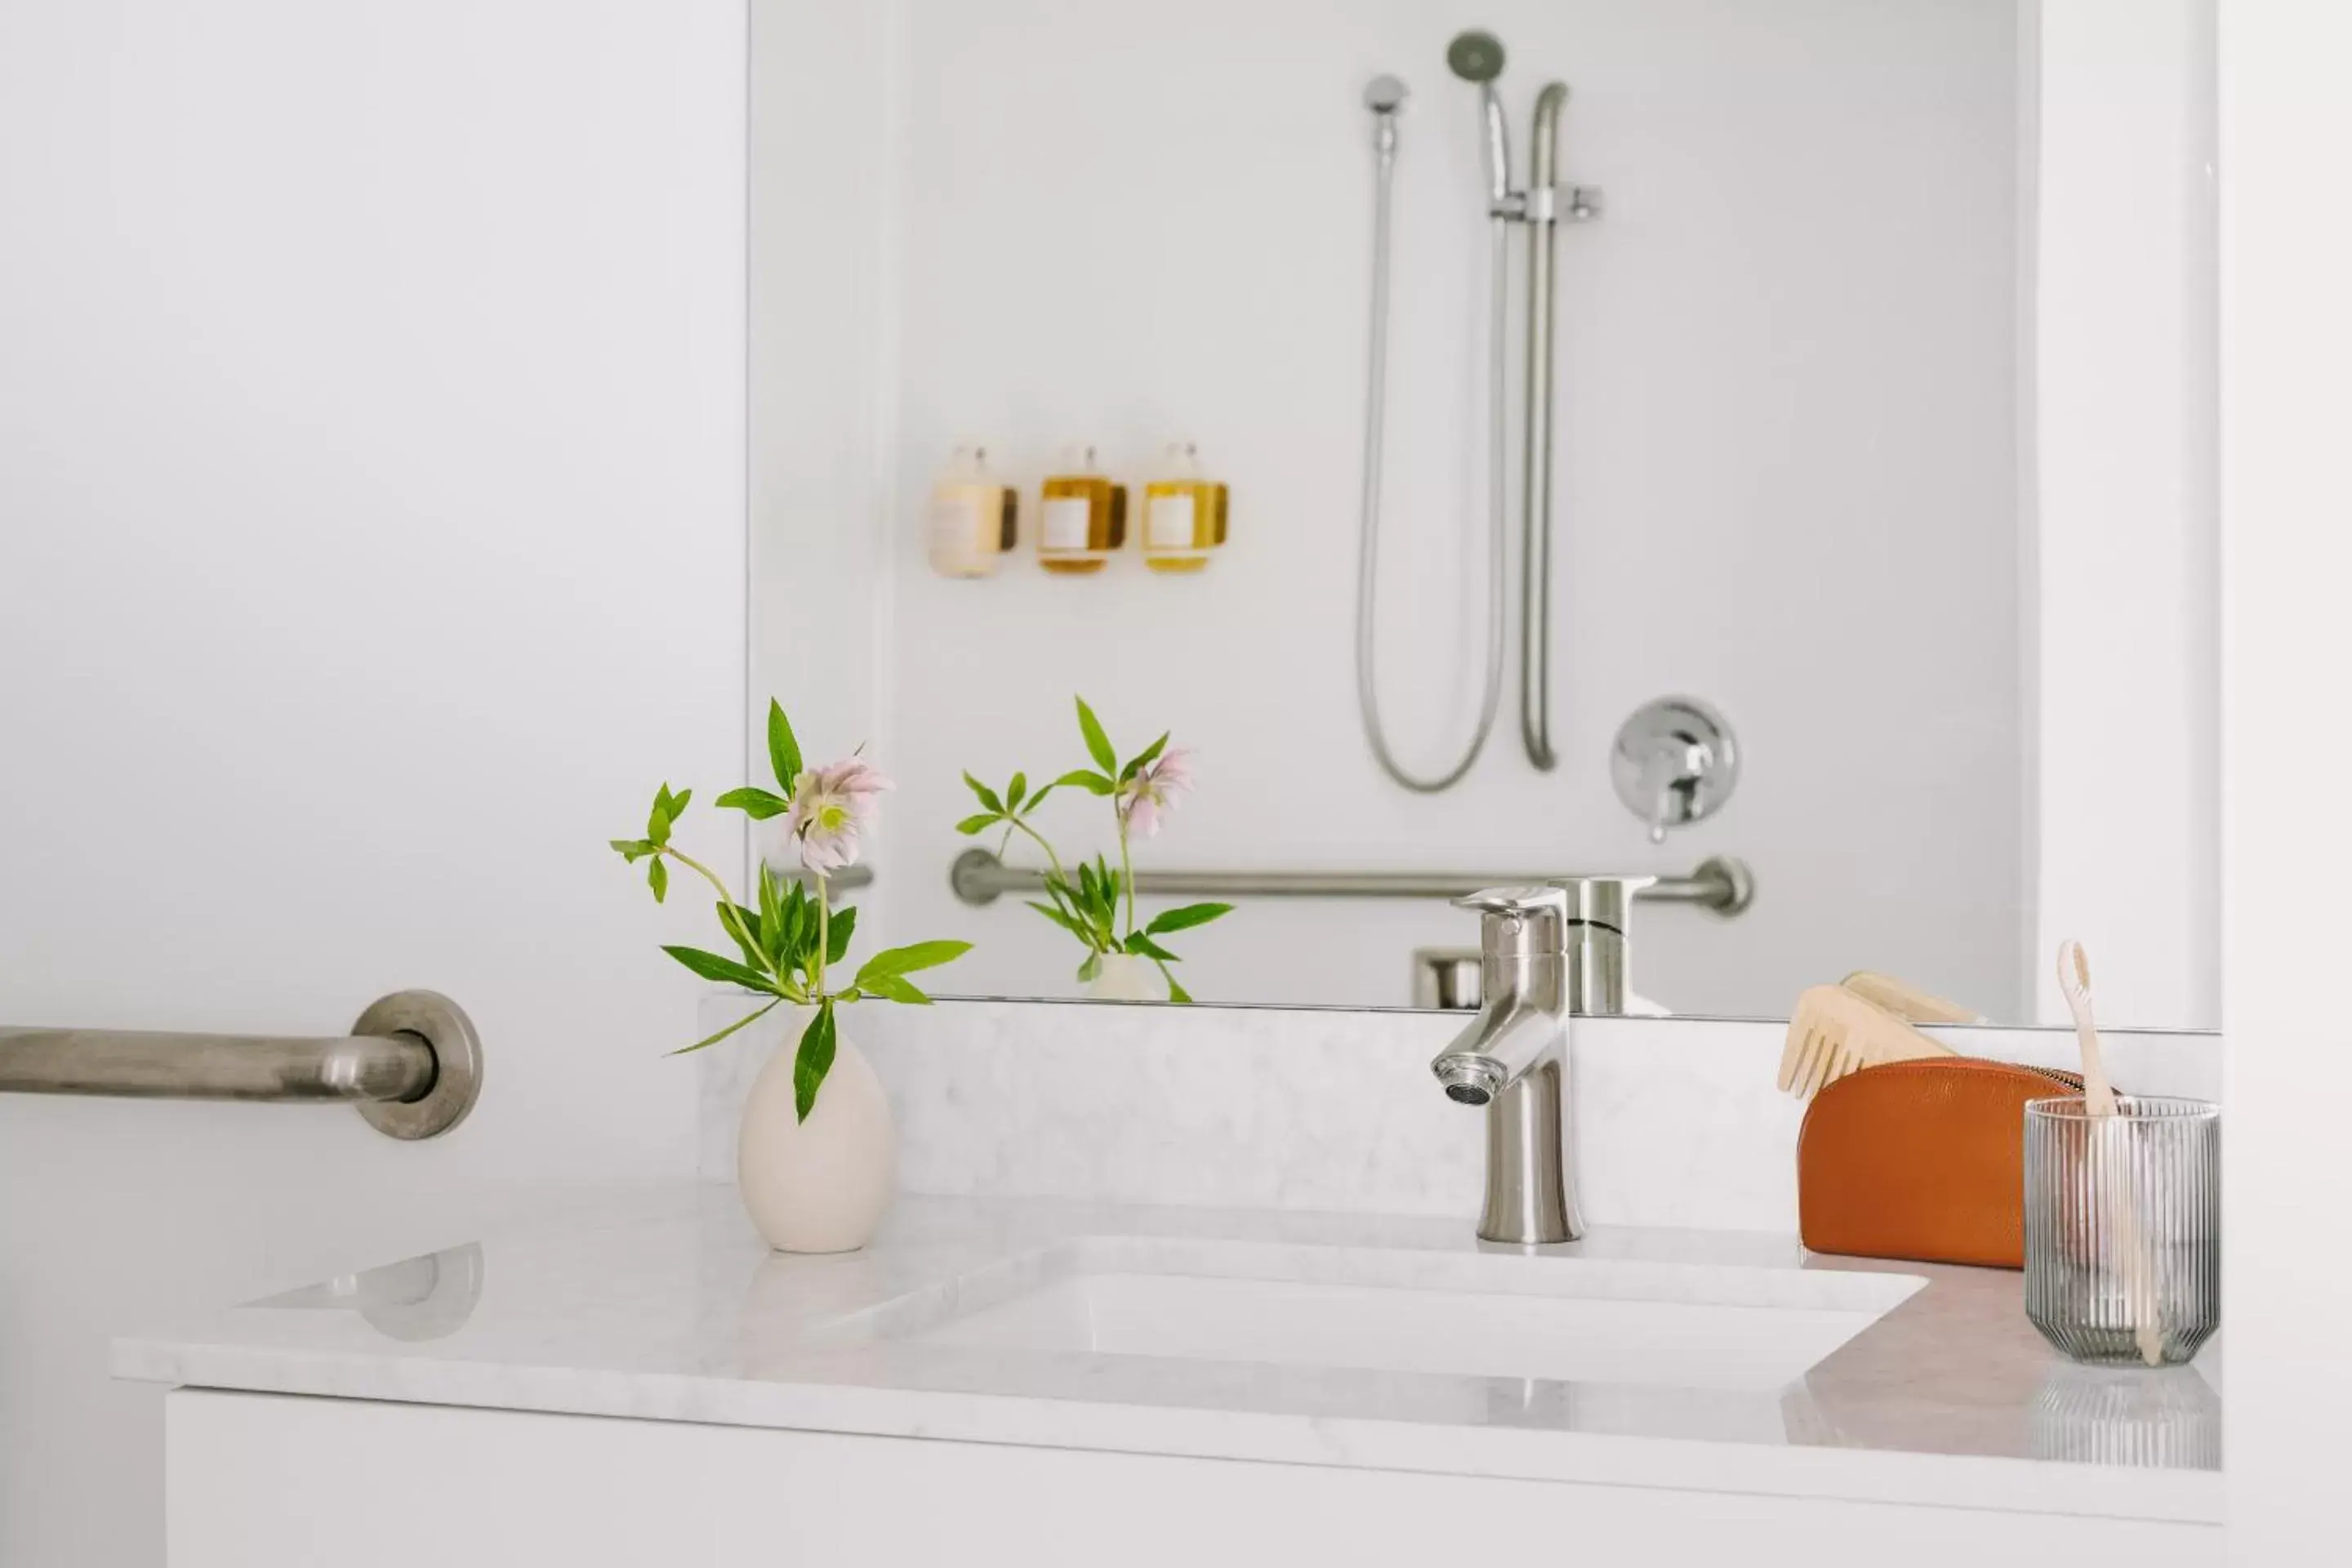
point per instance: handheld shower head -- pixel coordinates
(1477, 56)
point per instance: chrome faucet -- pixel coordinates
(1545, 953)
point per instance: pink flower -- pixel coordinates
(830, 806)
(1156, 788)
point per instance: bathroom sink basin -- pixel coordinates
(1461, 1314)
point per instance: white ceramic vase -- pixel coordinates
(1124, 977)
(823, 1184)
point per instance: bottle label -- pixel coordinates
(956, 525)
(1065, 522)
(1170, 525)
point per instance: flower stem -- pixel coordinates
(1127, 870)
(726, 914)
(824, 937)
(698, 869)
(1051, 859)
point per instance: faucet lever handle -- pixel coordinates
(1519, 902)
(1516, 923)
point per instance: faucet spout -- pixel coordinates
(1509, 1037)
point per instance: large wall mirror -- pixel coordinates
(1800, 439)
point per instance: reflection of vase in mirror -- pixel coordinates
(822, 1184)
(1124, 977)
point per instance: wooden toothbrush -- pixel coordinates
(2099, 1103)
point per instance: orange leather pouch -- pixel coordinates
(1921, 1160)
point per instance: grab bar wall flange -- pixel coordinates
(412, 1064)
(1720, 884)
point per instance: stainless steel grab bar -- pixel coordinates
(412, 1063)
(1720, 883)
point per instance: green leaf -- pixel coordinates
(757, 804)
(1186, 918)
(797, 929)
(743, 926)
(710, 966)
(657, 820)
(1080, 778)
(1014, 790)
(631, 849)
(836, 947)
(1140, 944)
(1176, 992)
(980, 822)
(751, 1017)
(678, 804)
(987, 796)
(772, 932)
(1066, 921)
(1091, 967)
(906, 960)
(813, 1060)
(784, 751)
(1102, 885)
(658, 878)
(1097, 743)
(895, 988)
(1143, 759)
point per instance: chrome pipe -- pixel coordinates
(412, 1064)
(1535, 498)
(1720, 883)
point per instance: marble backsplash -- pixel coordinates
(1330, 1110)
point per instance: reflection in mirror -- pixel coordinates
(428, 1297)
(1781, 464)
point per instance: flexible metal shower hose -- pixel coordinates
(1368, 573)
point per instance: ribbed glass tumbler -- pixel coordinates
(2122, 1227)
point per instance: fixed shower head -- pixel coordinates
(1475, 56)
(1384, 95)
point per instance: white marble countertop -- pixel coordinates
(666, 1307)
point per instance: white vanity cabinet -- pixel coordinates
(275, 1482)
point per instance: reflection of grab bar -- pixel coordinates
(846, 880)
(1720, 883)
(412, 1063)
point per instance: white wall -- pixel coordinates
(2125, 637)
(2286, 321)
(823, 373)
(1786, 444)
(371, 543)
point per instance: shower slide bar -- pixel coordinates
(1719, 884)
(412, 1064)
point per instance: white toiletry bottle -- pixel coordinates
(973, 518)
